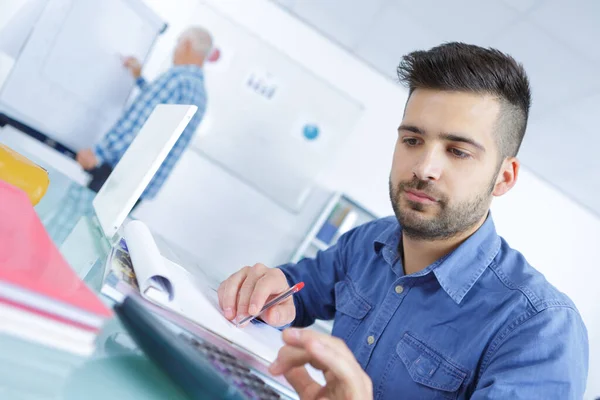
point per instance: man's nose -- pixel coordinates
(429, 166)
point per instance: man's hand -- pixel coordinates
(246, 292)
(87, 159)
(133, 65)
(345, 379)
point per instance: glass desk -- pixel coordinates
(117, 370)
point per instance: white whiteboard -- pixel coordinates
(260, 137)
(68, 81)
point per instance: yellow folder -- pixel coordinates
(21, 172)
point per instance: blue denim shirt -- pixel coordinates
(478, 323)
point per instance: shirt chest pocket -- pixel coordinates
(432, 375)
(351, 308)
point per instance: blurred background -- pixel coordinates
(266, 173)
(556, 41)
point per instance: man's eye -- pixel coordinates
(459, 153)
(411, 141)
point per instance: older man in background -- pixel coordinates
(181, 84)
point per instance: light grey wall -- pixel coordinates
(224, 222)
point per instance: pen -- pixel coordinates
(294, 289)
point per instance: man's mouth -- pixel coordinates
(419, 197)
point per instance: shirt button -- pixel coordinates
(399, 289)
(371, 339)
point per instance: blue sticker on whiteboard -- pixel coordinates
(311, 132)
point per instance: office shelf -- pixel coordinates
(340, 214)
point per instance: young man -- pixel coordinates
(432, 303)
(182, 84)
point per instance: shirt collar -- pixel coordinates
(458, 271)
(462, 268)
(390, 237)
(192, 68)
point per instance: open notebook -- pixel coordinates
(136, 260)
(136, 264)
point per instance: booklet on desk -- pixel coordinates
(41, 298)
(136, 260)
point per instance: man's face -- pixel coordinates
(446, 163)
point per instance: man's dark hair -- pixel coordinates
(469, 68)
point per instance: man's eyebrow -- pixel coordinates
(411, 128)
(457, 137)
(451, 137)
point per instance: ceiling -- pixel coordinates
(557, 41)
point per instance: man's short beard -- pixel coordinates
(450, 221)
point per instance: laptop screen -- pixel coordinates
(138, 165)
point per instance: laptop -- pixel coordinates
(204, 365)
(219, 366)
(106, 210)
(137, 167)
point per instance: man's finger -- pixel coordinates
(303, 384)
(267, 285)
(327, 353)
(300, 337)
(290, 357)
(230, 291)
(84, 160)
(280, 314)
(220, 294)
(87, 159)
(246, 290)
(338, 360)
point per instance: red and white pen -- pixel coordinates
(294, 289)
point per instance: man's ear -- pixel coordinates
(507, 176)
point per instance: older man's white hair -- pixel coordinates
(199, 38)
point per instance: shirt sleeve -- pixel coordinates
(319, 274)
(114, 144)
(141, 83)
(542, 357)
